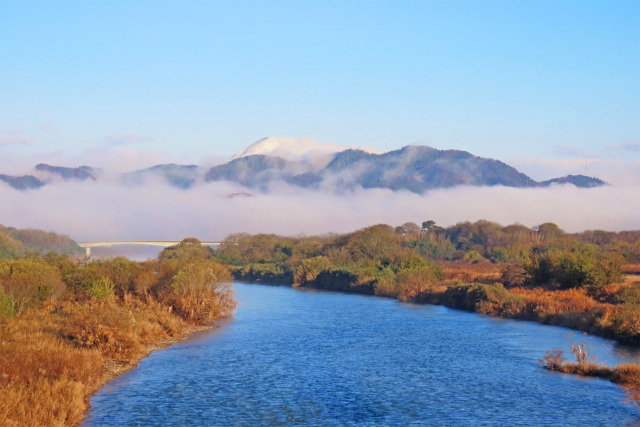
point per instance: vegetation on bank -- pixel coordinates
(541, 274)
(627, 375)
(67, 325)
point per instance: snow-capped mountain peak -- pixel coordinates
(294, 148)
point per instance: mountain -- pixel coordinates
(420, 168)
(577, 180)
(253, 171)
(181, 176)
(305, 163)
(412, 168)
(82, 173)
(25, 182)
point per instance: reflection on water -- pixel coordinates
(309, 358)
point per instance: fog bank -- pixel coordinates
(107, 211)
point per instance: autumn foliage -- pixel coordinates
(67, 326)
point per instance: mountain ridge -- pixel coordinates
(414, 168)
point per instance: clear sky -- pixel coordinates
(503, 79)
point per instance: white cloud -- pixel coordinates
(89, 210)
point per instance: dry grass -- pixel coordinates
(55, 356)
(546, 303)
(628, 376)
(472, 273)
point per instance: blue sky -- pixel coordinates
(503, 79)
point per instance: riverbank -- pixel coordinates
(326, 358)
(481, 293)
(55, 357)
(67, 328)
(479, 288)
(541, 274)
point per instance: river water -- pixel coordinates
(319, 358)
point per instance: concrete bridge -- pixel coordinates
(163, 243)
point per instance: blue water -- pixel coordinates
(317, 358)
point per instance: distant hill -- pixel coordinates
(181, 176)
(25, 182)
(577, 180)
(15, 242)
(305, 163)
(412, 168)
(81, 173)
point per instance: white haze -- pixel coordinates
(108, 211)
(613, 171)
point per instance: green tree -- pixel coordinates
(427, 225)
(187, 248)
(30, 282)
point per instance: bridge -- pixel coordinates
(163, 243)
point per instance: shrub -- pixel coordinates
(625, 321)
(199, 275)
(513, 275)
(266, 273)
(122, 273)
(199, 291)
(553, 359)
(187, 248)
(7, 308)
(582, 267)
(344, 280)
(89, 281)
(628, 294)
(30, 282)
(413, 283)
(101, 288)
(491, 299)
(628, 376)
(309, 269)
(146, 279)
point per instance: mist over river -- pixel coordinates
(320, 358)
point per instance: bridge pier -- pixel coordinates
(87, 251)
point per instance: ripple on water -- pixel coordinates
(315, 358)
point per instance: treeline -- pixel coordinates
(541, 274)
(15, 243)
(66, 325)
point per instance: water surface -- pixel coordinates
(318, 358)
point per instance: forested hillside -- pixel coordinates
(15, 242)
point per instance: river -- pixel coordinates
(320, 358)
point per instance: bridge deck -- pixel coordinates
(163, 243)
